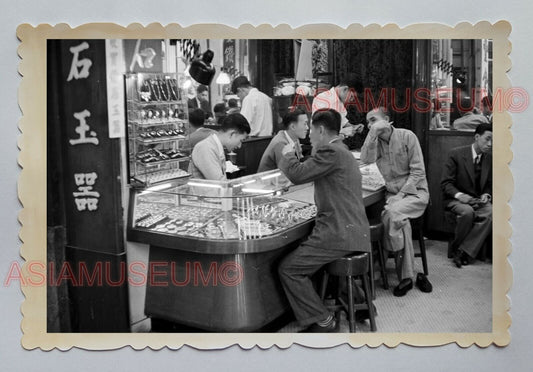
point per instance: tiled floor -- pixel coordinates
(461, 300)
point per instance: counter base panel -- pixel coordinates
(203, 290)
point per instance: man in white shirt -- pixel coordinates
(337, 98)
(256, 106)
(208, 160)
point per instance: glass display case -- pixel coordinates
(157, 128)
(250, 207)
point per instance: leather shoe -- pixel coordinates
(315, 328)
(405, 286)
(457, 259)
(465, 259)
(423, 283)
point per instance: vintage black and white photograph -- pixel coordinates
(279, 186)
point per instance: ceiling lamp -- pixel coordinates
(223, 77)
(202, 70)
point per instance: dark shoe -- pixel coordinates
(362, 315)
(423, 283)
(465, 259)
(457, 259)
(315, 328)
(405, 286)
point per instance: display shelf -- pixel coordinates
(161, 139)
(160, 162)
(157, 128)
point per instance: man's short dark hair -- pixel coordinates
(197, 117)
(292, 116)
(220, 108)
(328, 118)
(482, 128)
(239, 82)
(237, 122)
(383, 110)
(232, 102)
(201, 88)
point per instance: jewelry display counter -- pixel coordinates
(215, 247)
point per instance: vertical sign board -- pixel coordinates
(91, 189)
(115, 88)
(91, 166)
(228, 48)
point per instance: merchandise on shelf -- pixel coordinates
(220, 210)
(157, 128)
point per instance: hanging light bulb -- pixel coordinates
(187, 83)
(223, 77)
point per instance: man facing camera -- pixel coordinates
(341, 225)
(208, 160)
(467, 187)
(201, 101)
(399, 159)
(295, 124)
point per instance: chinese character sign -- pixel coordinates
(89, 164)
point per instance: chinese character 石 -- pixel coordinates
(86, 198)
(84, 63)
(83, 129)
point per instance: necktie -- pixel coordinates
(477, 174)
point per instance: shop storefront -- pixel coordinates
(203, 254)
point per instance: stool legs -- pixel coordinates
(324, 284)
(384, 280)
(370, 306)
(351, 312)
(372, 285)
(423, 253)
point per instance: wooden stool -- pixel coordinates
(451, 219)
(351, 267)
(417, 226)
(376, 234)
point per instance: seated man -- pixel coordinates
(398, 156)
(467, 187)
(197, 131)
(208, 160)
(469, 120)
(341, 225)
(295, 124)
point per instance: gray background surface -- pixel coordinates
(516, 357)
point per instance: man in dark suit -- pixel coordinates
(201, 101)
(467, 188)
(341, 224)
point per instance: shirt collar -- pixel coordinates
(474, 153)
(219, 144)
(288, 137)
